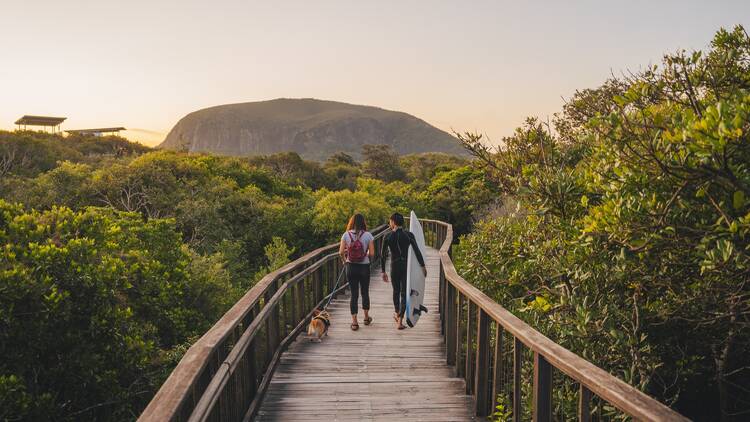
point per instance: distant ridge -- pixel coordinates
(313, 128)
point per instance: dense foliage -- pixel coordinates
(92, 297)
(30, 153)
(116, 257)
(631, 237)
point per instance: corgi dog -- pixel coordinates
(318, 325)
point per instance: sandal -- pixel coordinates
(368, 320)
(355, 326)
(401, 327)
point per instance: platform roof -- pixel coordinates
(97, 130)
(40, 120)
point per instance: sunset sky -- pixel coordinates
(478, 65)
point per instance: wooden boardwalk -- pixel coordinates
(370, 374)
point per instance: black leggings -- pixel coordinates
(358, 276)
(398, 282)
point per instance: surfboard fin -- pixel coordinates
(420, 310)
(414, 293)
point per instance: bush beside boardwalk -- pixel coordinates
(630, 244)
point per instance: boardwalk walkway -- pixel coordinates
(370, 374)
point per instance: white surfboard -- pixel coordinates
(414, 275)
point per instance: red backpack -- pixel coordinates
(356, 250)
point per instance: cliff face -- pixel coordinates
(313, 128)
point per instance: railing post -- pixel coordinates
(542, 389)
(441, 298)
(450, 324)
(481, 373)
(270, 331)
(460, 360)
(301, 301)
(497, 366)
(317, 284)
(336, 270)
(330, 275)
(282, 317)
(469, 347)
(307, 289)
(517, 361)
(293, 305)
(584, 402)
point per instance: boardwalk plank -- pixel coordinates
(366, 375)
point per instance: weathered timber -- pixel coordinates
(371, 373)
(254, 364)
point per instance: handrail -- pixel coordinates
(224, 375)
(207, 361)
(459, 296)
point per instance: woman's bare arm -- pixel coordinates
(342, 250)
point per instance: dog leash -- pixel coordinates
(330, 297)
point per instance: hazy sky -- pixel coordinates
(469, 65)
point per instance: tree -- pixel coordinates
(632, 245)
(460, 196)
(343, 171)
(90, 300)
(290, 167)
(68, 184)
(381, 162)
(333, 210)
(420, 169)
(342, 158)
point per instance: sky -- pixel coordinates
(478, 66)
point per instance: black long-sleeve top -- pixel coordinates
(398, 242)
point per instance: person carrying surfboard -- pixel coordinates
(397, 242)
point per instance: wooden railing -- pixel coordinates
(224, 375)
(489, 347)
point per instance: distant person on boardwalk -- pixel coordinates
(356, 249)
(397, 242)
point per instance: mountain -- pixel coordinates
(313, 128)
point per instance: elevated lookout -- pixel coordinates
(47, 123)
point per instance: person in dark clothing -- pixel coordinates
(397, 242)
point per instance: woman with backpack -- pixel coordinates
(356, 249)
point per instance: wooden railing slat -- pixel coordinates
(542, 389)
(460, 359)
(450, 325)
(498, 361)
(469, 371)
(517, 368)
(584, 401)
(482, 376)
